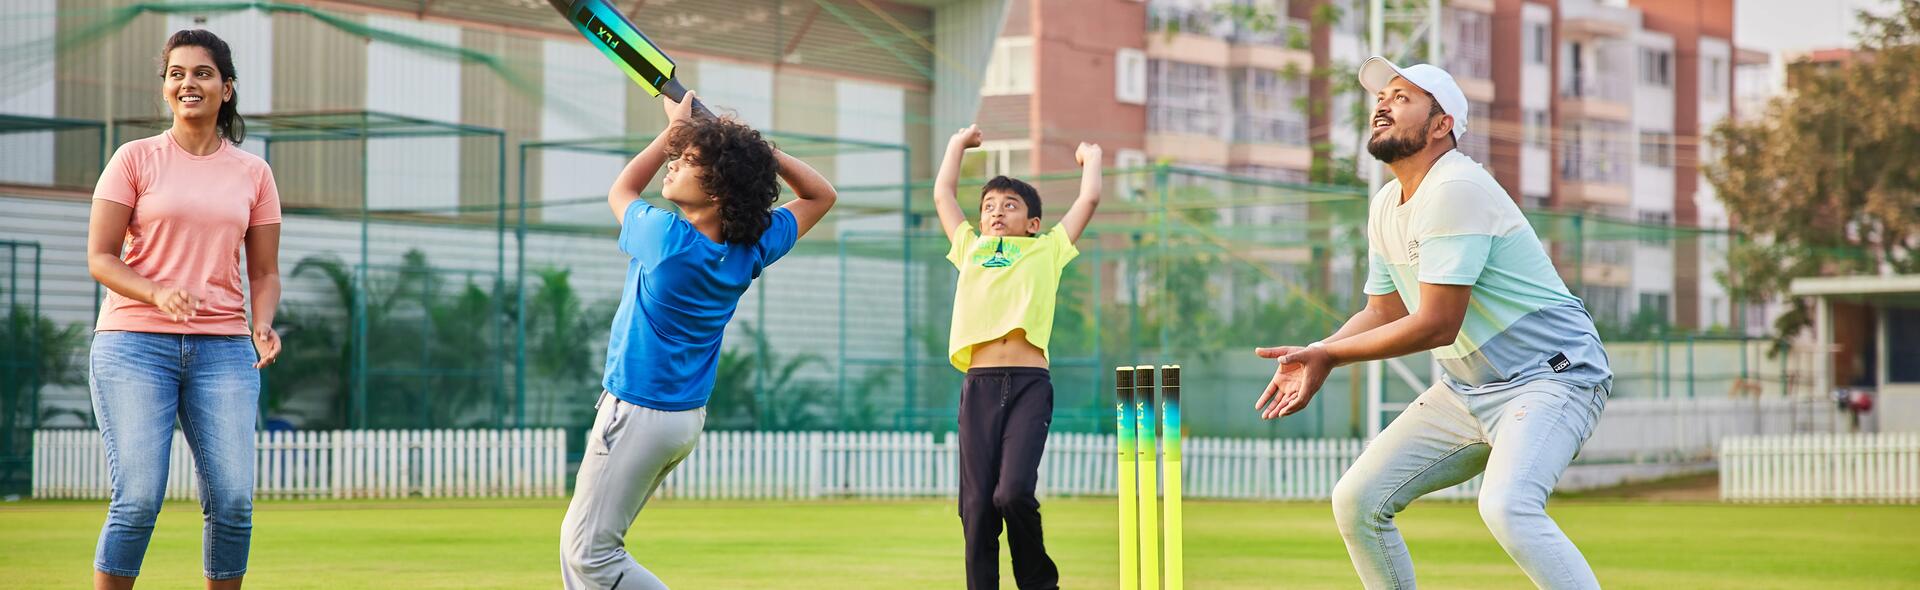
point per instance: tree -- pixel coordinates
(34, 353)
(755, 387)
(434, 345)
(562, 360)
(1827, 179)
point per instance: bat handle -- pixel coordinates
(673, 90)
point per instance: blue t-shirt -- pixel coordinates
(680, 292)
(1460, 228)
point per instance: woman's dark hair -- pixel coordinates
(229, 123)
(739, 169)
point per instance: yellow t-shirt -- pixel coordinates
(1006, 284)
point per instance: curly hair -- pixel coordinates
(739, 169)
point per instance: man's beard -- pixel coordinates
(1390, 147)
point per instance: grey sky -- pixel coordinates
(1799, 25)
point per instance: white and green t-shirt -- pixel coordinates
(1461, 228)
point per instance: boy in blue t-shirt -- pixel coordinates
(685, 273)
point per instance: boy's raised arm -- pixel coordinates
(945, 202)
(1075, 222)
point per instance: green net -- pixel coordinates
(492, 310)
(23, 358)
(395, 315)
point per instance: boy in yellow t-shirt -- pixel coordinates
(1002, 319)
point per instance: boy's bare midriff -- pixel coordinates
(1011, 350)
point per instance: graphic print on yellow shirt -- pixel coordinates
(1006, 283)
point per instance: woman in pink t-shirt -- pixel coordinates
(174, 340)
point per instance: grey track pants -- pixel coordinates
(629, 451)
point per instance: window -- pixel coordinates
(1656, 148)
(1604, 303)
(1010, 70)
(1656, 302)
(1658, 239)
(1130, 76)
(1475, 143)
(1273, 174)
(1539, 129)
(998, 158)
(1537, 43)
(1130, 166)
(1903, 342)
(1595, 151)
(1579, 83)
(1656, 67)
(1469, 50)
(1186, 99)
(1266, 107)
(1715, 71)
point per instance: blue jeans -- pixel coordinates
(141, 382)
(1522, 439)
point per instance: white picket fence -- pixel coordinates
(1882, 467)
(1637, 439)
(808, 465)
(335, 464)
(1683, 429)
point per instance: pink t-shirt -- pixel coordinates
(190, 220)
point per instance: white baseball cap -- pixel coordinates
(1377, 72)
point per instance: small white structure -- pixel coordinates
(1894, 345)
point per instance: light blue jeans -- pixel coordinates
(1522, 438)
(142, 383)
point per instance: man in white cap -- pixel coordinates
(1453, 267)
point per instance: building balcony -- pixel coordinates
(1603, 86)
(1481, 6)
(1270, 155)
(1594, 274)
(1209, 37)
(1269, 57)
(1596, 193)
(1477, 89)
(1290, 33)
(1595, 108)
(1586, 27)
(1250, 128)
(1188, 48)
(1472, 68)
(1205, 150)
(1467, 48)
(1596, 97)
(1589, 20)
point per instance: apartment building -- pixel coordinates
(1595, 106)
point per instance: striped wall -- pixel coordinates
(413, 172)
(118, 75)
(873, 113)
(332, 76)
(495, 102)
(27, 88)
(742, 90)
(584, 99)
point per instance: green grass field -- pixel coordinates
(916, 544)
